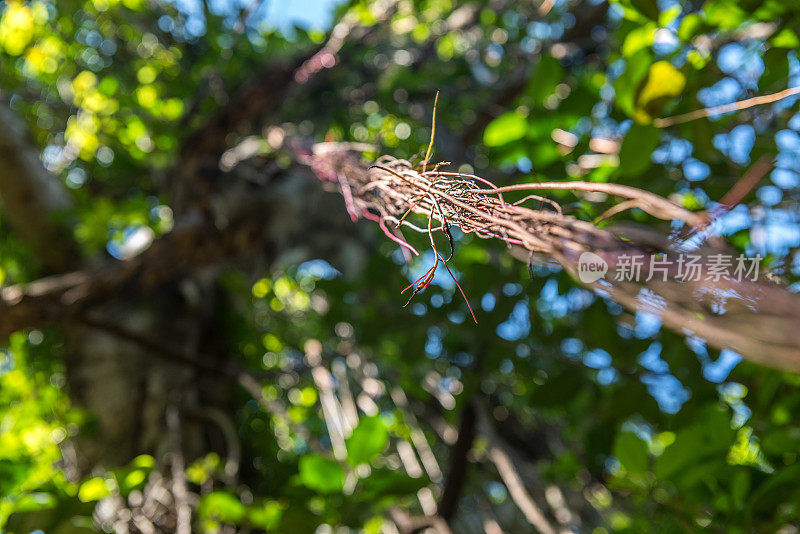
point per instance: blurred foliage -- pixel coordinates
(651, 428)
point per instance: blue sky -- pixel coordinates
(282, 14)
(313, 14)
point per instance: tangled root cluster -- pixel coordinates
(392, 189)
(758, 316)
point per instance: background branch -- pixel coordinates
(35, 203)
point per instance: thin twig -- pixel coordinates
(433, 134)
(726, 108)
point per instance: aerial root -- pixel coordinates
(475, 205)
(394, 189)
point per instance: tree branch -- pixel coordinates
(191, 245)
(273, 219)
(511, 478)
(257, 99)
(457, 468)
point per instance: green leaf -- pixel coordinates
(786, 39)
(637, 148)
(221, 506)
(143, 461)
(35, 501)
(321, 474)
(368, 439)
(648, 8)
(504, 129)
(133, 475)
(726, 14)
(663, 83)
(691, 25)
(385, 483)
(636, 68)
(548, 74)
(638, 39)
(696, 443)
(543, 154)
(133, 480)
(94, 489)
(631, 452)
(666, 17)
(266, 516)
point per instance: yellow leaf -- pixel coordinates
(16, 28)
(662, 83)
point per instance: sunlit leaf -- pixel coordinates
(640, 38)
(663, 83)
(221, 506)
(787, 38)
(267, 515)
(724, 13)
(690, 26)
(505, 129)
(368, 439)
(16, 27)
(94, 489)
(321, 474)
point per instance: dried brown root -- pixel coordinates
(759, 313)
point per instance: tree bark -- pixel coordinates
(35, 203)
